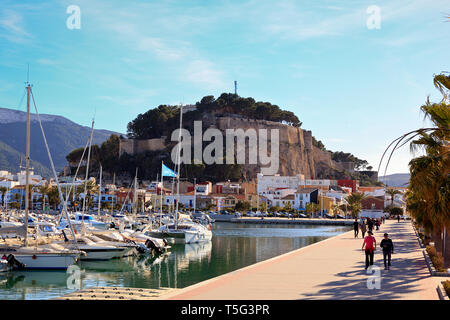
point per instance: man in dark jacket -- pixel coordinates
(370, 224)
(388, 249)
(356, 227)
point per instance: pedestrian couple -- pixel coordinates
(357, 226)
(369, 247)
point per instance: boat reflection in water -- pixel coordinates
(139, 272)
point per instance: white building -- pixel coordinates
(265, 183)
(275, 196)
(186, 199)
(303, 196)
(366, 213)
(32, 178)
(338, 195)
(8, 183)
(203, 188)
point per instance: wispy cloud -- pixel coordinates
(46, 61)
(12, 27)
(156, 39)
(204, 73)
(291, 20)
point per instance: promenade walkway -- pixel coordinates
(330, 269)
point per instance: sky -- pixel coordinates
(355, 72)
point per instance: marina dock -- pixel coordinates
(117, 293)
(329, 269)
(311, 221)
(276, 220)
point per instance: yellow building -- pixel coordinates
(327, 203)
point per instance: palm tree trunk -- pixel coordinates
(436, 236)
(446, 249)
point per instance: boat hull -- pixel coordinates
(102, 254)
(47, 261)
(188, 236)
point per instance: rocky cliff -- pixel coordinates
(297, 153)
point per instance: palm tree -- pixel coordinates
(312, 207)
(429, 185)
(336, 209)
(44, 190)
(354, 203)
(91, 188)
(392, 193)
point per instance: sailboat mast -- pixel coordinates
(160, 192)
(100, 191)
(179, 165)
(87, 168)
(27, 169)
(136, 202)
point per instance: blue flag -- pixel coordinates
(166, 172)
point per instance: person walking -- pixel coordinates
(356, 227)
(369, 247)
(388, 249)
(398, 218)
(370, 224)
(363, 229)
(377, 224)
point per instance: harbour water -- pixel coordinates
(233, 246)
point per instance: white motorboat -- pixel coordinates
(96, 251)
(186, 232)
(130, 248)
(47, 257)
(90, 221)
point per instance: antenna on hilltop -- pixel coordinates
(235, 87)
(28, 73)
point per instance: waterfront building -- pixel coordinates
(327, 203)
(373, 203)
(32, 178)
(303, 196)
(187, 199)
(288, 200)
(201, 188)
(227, 187)
(373, 191)
(353, 184)
(372, 213)
(227, 201)
(8, 183)
(266, 182)
(275, 196)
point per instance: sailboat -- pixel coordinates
(49, 256)
(185, 230)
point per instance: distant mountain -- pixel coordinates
(62, 136)
(396, 179)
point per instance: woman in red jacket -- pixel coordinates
(369, 246)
